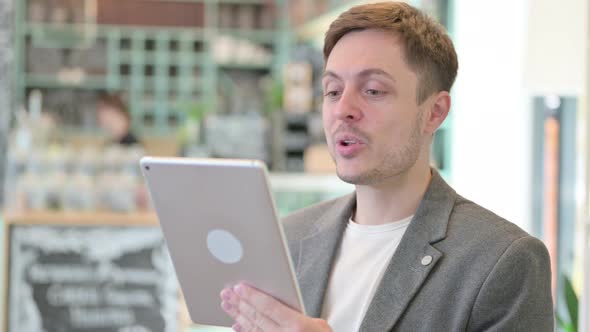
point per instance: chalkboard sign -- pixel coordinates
(99, 278)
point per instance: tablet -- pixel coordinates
(221, 227)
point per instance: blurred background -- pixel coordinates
(87, 87)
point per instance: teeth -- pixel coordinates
(348, 142)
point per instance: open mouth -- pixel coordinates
(348, 142)
(348, 146)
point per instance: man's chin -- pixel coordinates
(354, 178)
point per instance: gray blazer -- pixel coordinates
(486, 274)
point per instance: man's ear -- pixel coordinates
(438, 110)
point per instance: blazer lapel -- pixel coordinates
(407, 271)
(317, 254)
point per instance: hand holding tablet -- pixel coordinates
(256, 311)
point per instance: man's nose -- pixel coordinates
(348, 107)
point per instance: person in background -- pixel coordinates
(114, 117)
(404, 252)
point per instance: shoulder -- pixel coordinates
(474, 231)
(514, 272)
(302, 222)
(469, 217)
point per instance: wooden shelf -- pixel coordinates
(81, 218)
(165, 58)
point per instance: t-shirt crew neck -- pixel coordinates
(361, 261)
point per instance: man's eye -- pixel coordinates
(332, 93)
(373, 92)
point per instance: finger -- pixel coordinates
(244, 325)
(256, 318)
(244, 314)
(266, 304)
(228, 295)
(229, 302)
(230, 309)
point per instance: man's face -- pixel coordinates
(373, 125)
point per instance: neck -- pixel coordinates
(393, 199)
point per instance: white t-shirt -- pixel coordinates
(359, 265)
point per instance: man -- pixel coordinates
(404, 252)
(113, 116)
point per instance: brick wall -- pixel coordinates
(150, 13)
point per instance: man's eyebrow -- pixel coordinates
(362, 74)
(375, 71)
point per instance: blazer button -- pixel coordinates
(426, 260)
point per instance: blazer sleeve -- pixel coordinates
(516, 295)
